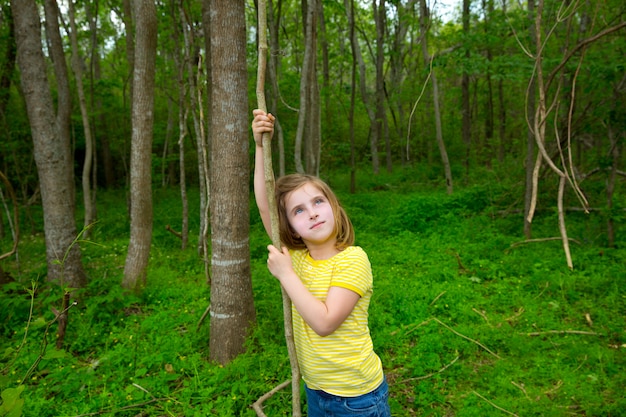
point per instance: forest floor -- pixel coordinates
(468, 318)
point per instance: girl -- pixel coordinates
(329, 282)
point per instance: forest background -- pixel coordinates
(470, 151)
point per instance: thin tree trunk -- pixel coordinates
(8, 64)
(440, 142)
(614, 153)
(466, 130)
(204, 148)
(353, 87)
(562, 227)
(141, 211)
(182, 129)
(88, 201)
(531, 167)
(307, 143)
(368, 102)
(100, 128)
(273, 21)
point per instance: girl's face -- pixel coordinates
(311, 216)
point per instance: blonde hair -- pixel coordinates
(344, 231)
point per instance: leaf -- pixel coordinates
(11, 402)
(8, 352)
(54, 354)
(38, 322)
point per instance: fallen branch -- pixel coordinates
(521, 387)
(493, 405)
(582, 332)
(437, 297)
(419, 378)
(481, 314)
(411, 327)
(258, 404)
(544, 239)
(466, 338)
(174, 232)
(516, 315)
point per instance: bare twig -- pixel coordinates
(561, 332)
(258, 405)
(419, 378)
(516, 315)
(521, 388)
(544, 239)
(481, 314)
(542, 291)
(411, 327)
(558, 385)
(437, 297)
(466, 338)
(494, 405)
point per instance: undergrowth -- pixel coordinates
(468, 319)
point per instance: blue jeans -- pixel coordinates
(373, 404)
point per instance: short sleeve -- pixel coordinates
(353, 271)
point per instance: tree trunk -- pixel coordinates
(398, 70)
(530, 137)
(204, 148)
(182, 127)
(273, 22)
(232, 307)
(466, 130)
(51, 146)
(614, 154)
(8, 64)
(380, 14)
(487, 148)
(424, 16)
(308, 140)
(350, 11)
(88, 200)
(100, 130)
(368, 102)
(141, 145)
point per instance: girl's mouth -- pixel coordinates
(316, 225)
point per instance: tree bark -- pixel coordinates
(141, 146)
(232, 307)
(51, 147)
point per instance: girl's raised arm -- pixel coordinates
(262, 123)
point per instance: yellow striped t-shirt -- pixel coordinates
(343, 363)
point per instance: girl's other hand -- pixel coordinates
(262, 123)
(279, 262)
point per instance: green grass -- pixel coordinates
(466, 324)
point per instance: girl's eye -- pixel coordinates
(297, 211)
(319, 201)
